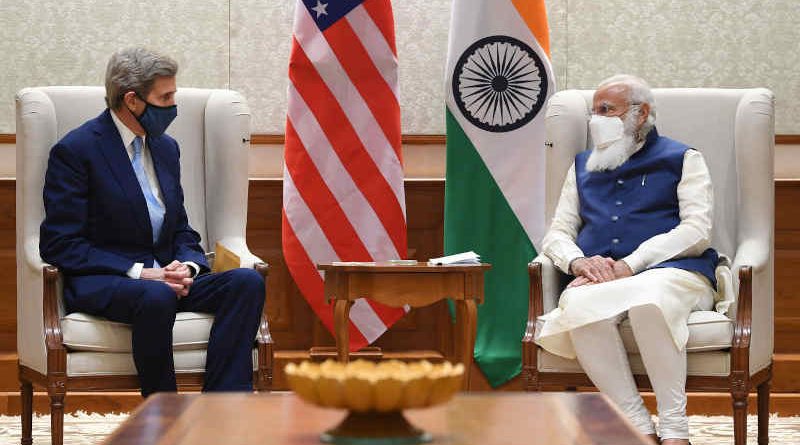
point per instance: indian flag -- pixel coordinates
(498, 81)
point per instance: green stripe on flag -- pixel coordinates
(477, 217)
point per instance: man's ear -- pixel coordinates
(644, 113)
(130, 100)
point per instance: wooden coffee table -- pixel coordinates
(485, 419)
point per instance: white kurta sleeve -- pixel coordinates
(692, 236)
(559, 242)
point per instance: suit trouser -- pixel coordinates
(235, 297)
(602, 355)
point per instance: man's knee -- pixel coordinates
(157, 298)
(644, 314)
(249, 282)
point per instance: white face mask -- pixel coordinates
(606, 130)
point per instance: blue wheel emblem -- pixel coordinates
(499, 84)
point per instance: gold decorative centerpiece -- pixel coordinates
(375, 396)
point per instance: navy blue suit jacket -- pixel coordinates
(96, 223)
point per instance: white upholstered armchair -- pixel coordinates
(728, 352)
(63, 352)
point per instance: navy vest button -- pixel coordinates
(620, 181)
(615, 240)
(614, 218)
(619, 203)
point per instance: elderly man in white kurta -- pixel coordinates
(633, 225)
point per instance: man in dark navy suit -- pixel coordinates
(116, 226)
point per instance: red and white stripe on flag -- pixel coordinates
(343, 197)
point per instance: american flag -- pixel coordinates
(343, 197)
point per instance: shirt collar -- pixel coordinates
(124, 132)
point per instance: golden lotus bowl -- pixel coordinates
(362, 386)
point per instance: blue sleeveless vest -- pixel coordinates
(624, 207)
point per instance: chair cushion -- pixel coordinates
(708, 363)
(83, 332)
(708, 331)
(109, 363)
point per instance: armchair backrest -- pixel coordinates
(213, 130)
(734, 129)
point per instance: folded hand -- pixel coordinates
(598, 269)
(176, 275)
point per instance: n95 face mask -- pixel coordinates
(606, 130)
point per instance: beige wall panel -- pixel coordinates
(712, 43)
(245, 44)
(421, 29)
(557, 21)
(47, 42)
(260, 42)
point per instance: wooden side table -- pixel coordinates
(415, 285)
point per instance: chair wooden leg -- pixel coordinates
(763, 412)
(57, 419)
(26, 392)
(739, 418)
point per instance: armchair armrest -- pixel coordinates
(740, 345)
(543, 291)
(542, 296)
(754, 328)
(238, 245)
(551, 285)
(54, 341)
(32, 257)
(752, 253)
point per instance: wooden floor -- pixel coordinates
(295, 328)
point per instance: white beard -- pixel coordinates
(617, 153)
(612, 156)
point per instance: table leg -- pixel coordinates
(466, 315)
(341, 326)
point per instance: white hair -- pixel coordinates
(638, 93)
(135, 69)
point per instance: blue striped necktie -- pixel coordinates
(154, 208)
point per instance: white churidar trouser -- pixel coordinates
(602, 355)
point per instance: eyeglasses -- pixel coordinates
(606, 109)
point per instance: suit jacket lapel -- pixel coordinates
(119, 164)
